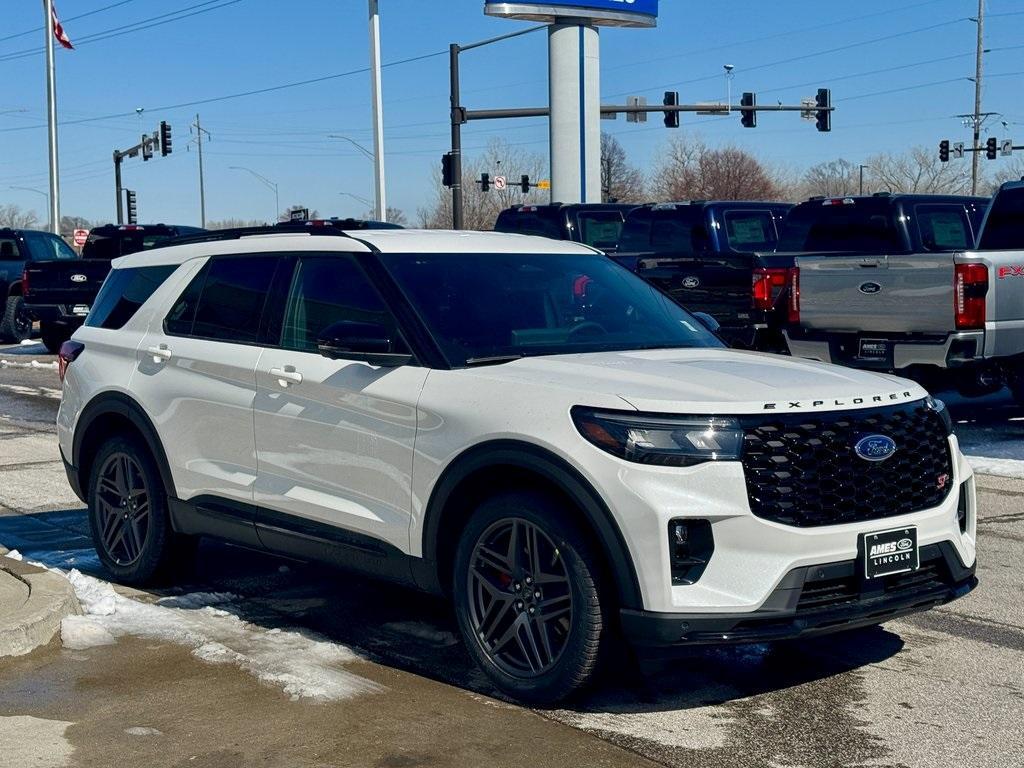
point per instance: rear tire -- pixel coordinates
(527, 598)
(53, 336)
(128, 515)
(15, 323)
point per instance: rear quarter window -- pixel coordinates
(123, 293)
(943, 227)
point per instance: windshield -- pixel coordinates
(480, 306)
(123, 243)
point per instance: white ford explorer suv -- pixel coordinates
(518, 423)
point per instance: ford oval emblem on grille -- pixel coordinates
(875, 448)
(870, 288)
(691, 282)
(78, 278)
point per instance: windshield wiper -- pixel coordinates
(473, 362)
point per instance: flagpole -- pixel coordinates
(51, 111)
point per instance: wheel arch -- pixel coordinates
(109, 414)
(512, 465)
(13, 289)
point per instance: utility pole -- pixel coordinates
(202, 185)
(380, 197)
(978, 62)
(51, 116)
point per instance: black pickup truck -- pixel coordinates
(715, 257)
(595, 224)
(59, 294)
(22, 250)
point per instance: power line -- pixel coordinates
(66, 20)
(137, 26)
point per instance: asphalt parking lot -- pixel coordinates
(258, 661)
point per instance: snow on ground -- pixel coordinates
(50, 366)
(1000, 467)
(303, 665)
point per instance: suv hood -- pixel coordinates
(719, 381)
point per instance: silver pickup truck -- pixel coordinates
(949, 313)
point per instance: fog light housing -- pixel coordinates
(961, 508)
(690, 546)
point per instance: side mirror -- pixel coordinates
(708, 321)
(369, 343)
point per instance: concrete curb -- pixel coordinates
(39, 600)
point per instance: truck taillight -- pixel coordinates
(767, 284)
(24, 282)
(69, 352)
(969, 289)
(794, 296)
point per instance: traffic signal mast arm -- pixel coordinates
(160, 138)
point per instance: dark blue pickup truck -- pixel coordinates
(20, 249)
(715, 257)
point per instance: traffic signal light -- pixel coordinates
(133, 211)
(992, 148)
(485, 182)
(165, 138)
(944, 151)
(671, 100)
(447, 170)
(748, 115)
(524, 184)
(147, 148)
(823, 101)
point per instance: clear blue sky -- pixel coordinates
(898, 70)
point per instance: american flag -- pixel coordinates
(58, 29)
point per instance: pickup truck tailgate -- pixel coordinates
(881, 294)
(718, 284)
(65, 282)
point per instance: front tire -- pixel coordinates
(15, 321)
(527, 598)
(128, 515)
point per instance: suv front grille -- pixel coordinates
(801, 469)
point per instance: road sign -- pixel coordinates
(80, 237)
(544, 184)
(1006, 148)
(500, 183)
(622, 13)
(299, 214)
(636, 117)
(958, 149)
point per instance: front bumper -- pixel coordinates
(812, 600)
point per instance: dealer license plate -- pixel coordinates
(874, 349)
(889, 552)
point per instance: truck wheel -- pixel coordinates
(527, 598)
(53, 336)
(16, 323)
(128, 516)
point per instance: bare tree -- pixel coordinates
(919, 170)
(1011, 171)
(480, 209)
(13, 216)
(235, 223)
(69, 224)
(620, 182)
(831, 179)
(394, 216)
(691, 170)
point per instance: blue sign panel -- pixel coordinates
(641, 13)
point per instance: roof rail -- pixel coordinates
(285, 228)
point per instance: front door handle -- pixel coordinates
(286, 376)
(160, 354)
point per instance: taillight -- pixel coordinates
(24, 282)
(969, 289)
(69, 352)
(767, 285)
(794, 296)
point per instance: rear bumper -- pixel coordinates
(954, 350)
(812, 600)
(55, 313)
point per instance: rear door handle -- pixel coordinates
(286, 376)
(159, 354)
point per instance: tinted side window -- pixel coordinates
(943, 227)
(231, 305)
(327, 290)
(1004, 227)
(679, 231)
(636, 232)
(123, 292)
(9, 250)
(44, 247)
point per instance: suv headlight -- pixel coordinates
(672, 441)
(940, 408)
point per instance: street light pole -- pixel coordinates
(378, 111)
(372, 157)
(272, 185)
